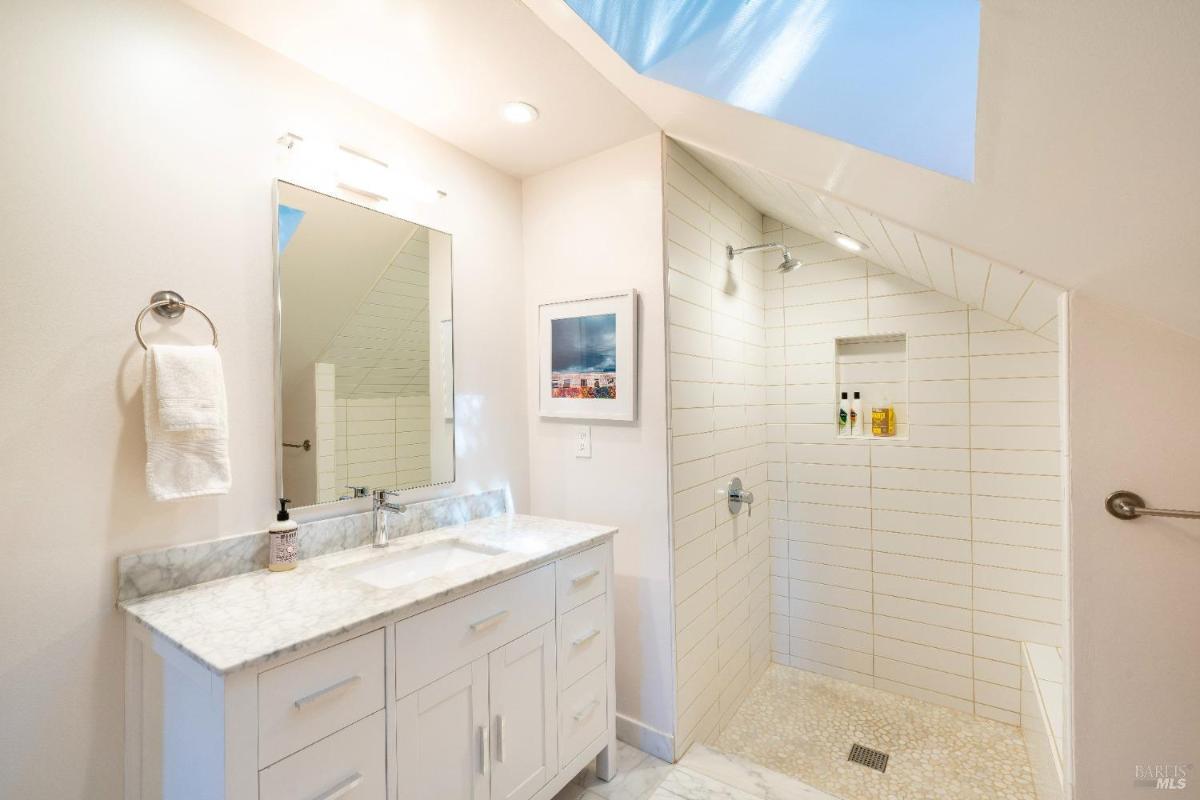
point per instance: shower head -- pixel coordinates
(788, 264)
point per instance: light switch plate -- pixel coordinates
(583, 442)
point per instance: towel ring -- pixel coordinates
(169, 305)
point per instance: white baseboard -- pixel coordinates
(648, 740)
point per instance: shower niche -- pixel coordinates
(875, 366)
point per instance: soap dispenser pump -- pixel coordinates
(282, 551)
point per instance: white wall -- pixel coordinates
(595, 227)
(1134, 595)
(718, 390)
(139, 154)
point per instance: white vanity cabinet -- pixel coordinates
(486, 730)
(501, 694)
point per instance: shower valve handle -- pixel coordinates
(737, 495)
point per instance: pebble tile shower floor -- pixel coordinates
(803, 725)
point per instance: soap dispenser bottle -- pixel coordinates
(281, 549)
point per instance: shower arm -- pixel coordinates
(730, 252)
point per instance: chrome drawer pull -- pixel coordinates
(587, 637)
(341, 685)
(489, 622)
(587, 576)
(583, 712)
(484, 747)
(342, 788)
(499, 738)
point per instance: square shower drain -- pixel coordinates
(868, 757)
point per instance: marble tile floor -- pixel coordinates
(702, 774)
(803, 725)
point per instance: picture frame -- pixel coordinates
(588, 352)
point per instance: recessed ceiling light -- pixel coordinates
(519, 113)
(848, 242)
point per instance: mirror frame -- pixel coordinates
(338, 507)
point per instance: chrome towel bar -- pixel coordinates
(1128, 505)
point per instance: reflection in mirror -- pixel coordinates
(366, 350)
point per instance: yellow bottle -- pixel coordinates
(883, 421)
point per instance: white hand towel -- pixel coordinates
(187, 432)
(189, 385)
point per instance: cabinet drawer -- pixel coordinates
(582, 713)
(582, 640)
(311, 697)
(439, 641)
(582, 577)
(349, 765)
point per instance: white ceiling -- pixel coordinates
(447, 67)
(1087, 164)
(998, 289)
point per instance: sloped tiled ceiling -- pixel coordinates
(999, 289)
(382, 350)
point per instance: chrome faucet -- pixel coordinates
(379, 510)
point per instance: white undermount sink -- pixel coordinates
(418, 563)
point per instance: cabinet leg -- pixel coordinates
(606, 762)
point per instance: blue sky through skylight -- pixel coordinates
(897, 77)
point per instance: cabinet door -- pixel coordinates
(442, 738)
(522, 694)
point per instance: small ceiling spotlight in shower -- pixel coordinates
(848, 242)
(787, 265)
(519, 113)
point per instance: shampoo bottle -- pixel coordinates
(856, 415)
(844, 415)
(281, 547)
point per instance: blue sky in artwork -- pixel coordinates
(584, 344)
(898, 78)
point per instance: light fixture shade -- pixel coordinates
(848, 242)
(519, 113)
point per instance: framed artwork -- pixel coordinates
(588, 358)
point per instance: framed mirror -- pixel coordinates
(365, 358)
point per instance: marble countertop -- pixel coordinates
(249, 619)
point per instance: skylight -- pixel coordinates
(898, 78)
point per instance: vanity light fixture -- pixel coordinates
(848, 242)
(362, 174)
(519, 113)
(323, 165)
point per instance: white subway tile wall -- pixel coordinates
(915, 566)
(912, 565)
(718, 430)
(382, 443)
(326, 443)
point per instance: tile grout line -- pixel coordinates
(971, 507)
